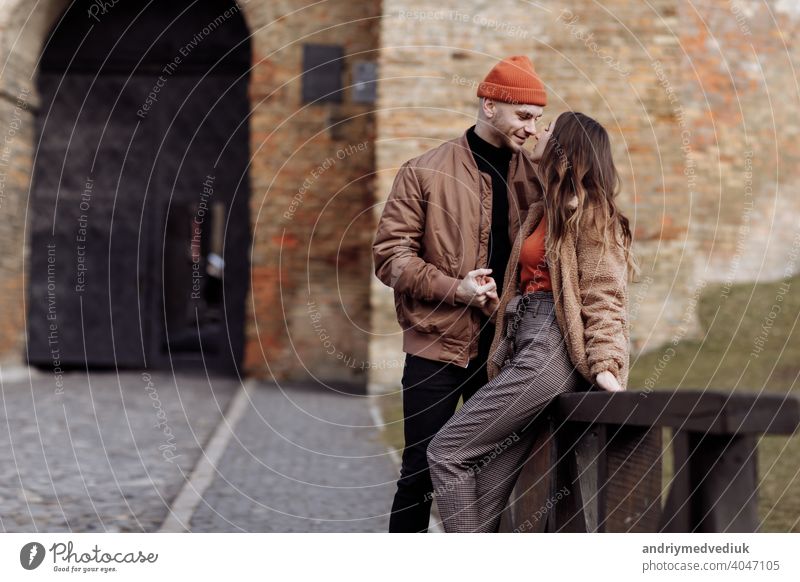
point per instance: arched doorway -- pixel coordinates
(140, 226)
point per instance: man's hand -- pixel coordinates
(607, 381)
(475, 287)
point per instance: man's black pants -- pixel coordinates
(430, 394)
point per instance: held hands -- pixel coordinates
(478, 289)
(492, 300)
(607, 381)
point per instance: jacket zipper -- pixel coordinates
(477, 256)
(515, 211)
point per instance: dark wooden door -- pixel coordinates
(202, 220)
(140, 222)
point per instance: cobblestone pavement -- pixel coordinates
(301, 460)
(109, 453)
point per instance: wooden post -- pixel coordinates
(631, 493)
(676, 516)
(527, 509)
(590, 463)
(718, 487)
(579, 468)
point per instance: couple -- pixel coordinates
(509, 270)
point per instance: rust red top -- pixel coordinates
(534, 274)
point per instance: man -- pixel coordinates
(448, 224)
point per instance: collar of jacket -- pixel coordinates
(468, 161)
(536, 211)
(517, 181)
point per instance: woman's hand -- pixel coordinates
(607, 381)
(492, 302)
(491, 299)
(475, 287)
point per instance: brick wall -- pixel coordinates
(23, 28)
(312, 190)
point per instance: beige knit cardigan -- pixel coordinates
(591, 301)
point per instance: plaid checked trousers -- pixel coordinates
(475, 458)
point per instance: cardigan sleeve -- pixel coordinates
(602, 279)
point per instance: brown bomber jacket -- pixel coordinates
(591, 301)
(434, 229)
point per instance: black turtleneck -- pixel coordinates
(494, 161)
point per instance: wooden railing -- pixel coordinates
(596, 463)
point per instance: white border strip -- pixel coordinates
(185, 504)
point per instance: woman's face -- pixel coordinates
(542, 139)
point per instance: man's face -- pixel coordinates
(513, 123)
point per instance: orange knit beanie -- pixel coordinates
(514, 80)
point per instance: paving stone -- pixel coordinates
(301, 459)
(89, 459)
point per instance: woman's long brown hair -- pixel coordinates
(577, 162)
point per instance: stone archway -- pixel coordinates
(23, 30)
(139, 197)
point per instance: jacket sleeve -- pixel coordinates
(398, 241)
(602, 279)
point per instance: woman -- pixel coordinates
(562, 320)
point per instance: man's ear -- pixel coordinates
(489, 107)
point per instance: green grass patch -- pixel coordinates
(750, 343)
